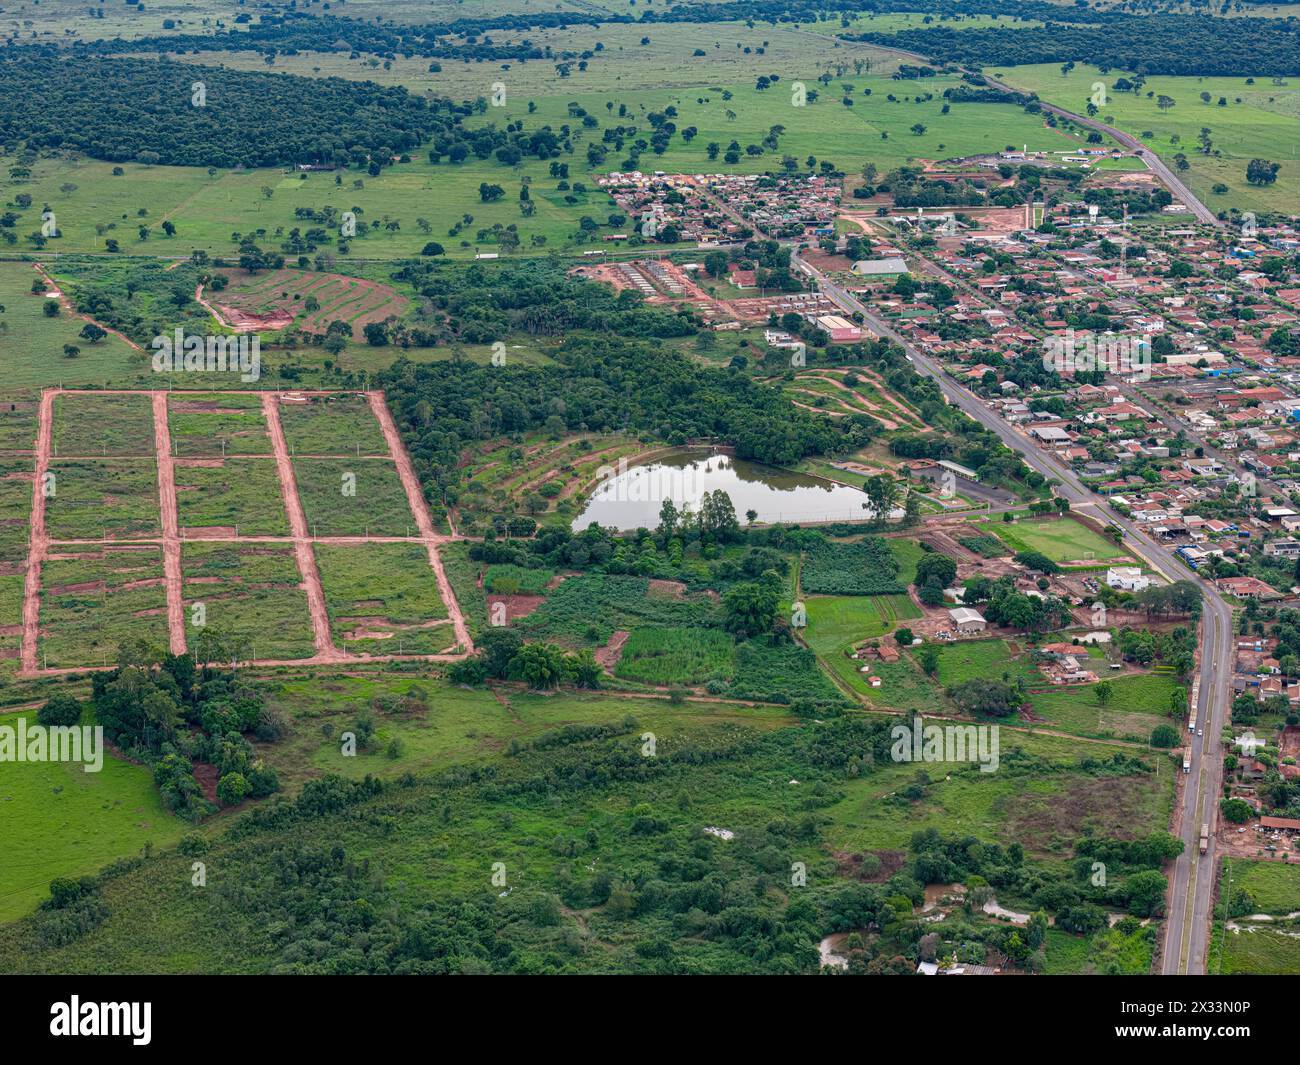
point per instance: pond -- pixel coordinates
(630, 497)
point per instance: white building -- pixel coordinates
(1127, 578)
(966, 620)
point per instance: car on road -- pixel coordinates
(1200, 732)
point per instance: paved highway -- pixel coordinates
(1188, 926)
(1181, 192)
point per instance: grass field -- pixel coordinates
(383, 598)
(216, 425)
(1275, 886)
(251, 599)
(61, 821)
(1259, 120)
(877, 128)
(332, 425)
(350, 497)
(87, 424)
(1040, 811)
(31, 345)
(92, 498)
(93, 600)
(236, 492)
(1061, 540)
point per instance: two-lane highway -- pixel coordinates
(1191, 887)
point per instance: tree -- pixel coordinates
(1164, 737)
(1146, 892)
(231, 789)
(750, 609)
(539, 665)
(994, 697)
(1237, 811)
(936, 569)
(882, 492)
(904, 636)
(1262, 172)
(1104, 691)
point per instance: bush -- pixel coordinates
(60, 710)
(231, 789)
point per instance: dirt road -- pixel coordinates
(423, 519)
(320, 620)
(39, 541)
(171, 543)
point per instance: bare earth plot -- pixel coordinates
(191, 530)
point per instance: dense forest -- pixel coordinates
(124, 109)
(1161, 44)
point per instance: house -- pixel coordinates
(1127, 578)
(1283, 548)
(1247, 588)
(1283, 824)
(966, 620)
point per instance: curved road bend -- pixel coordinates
(1153, 161)
(1191, 886)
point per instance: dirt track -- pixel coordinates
(423, 520)
(39, 541)
(171, 544)
(320, 620)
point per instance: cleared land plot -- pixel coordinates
(1044, 812)
(15, 506)
(94, 600)
(1061, 540)
(332, 425)
(383, 599)
(1274, 886)
(19, 415)
(234, 492)
(217, 425)
(252, 601)
(1137, 705)
(90, 424)
(62, 821)
(347, 497)
(102, 497)
(984, 660)
(309, 300)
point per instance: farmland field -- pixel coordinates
(676, 656)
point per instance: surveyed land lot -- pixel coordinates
(258, 528)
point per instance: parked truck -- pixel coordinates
(1205, 838)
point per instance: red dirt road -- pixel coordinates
(320, 619)
(171, 544)
(423, 520)
(39, 542)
